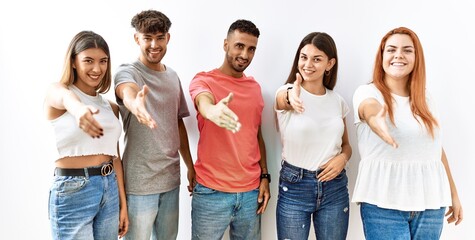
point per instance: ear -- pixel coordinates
(136, 38)
(168, 37)
(225, 45)
(330, 65)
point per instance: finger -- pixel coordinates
(227, 99)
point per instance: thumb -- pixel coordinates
(93, 110)
(298, 79)
(227, 99)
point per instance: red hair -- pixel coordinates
(416, 83)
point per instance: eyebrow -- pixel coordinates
(396, 47)
(313, 56)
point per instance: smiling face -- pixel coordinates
(240, 48)
(398, 57)
(91, 67)
(313, 63)
(153, 48)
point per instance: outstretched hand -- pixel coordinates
(221, 115)
(86, 121)
(294, 95)
(379, 126)
(140, 111)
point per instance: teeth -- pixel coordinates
(397, 64)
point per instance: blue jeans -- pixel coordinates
(302, 196)
(84, 207)
(213, 211)
(401, 225)
(153, 216)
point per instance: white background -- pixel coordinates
(35, 35)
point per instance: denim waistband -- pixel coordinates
(302, 170)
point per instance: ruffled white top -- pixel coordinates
(411, 177)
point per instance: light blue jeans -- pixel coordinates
(302, 197)
(153, 216)
(401, 225)
(84, 208)
(213, 211)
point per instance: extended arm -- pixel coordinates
(134, 100)
(60, 99)
(374, 114)
(218, 113)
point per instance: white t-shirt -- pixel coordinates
(312, 138)
(411, 177)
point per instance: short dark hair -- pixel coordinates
(244, 26)
(151, 21)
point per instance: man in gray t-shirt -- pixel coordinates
(152, 106)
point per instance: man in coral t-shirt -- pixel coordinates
(231, 172)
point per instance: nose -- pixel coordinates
(154, 43)
(97, 67)
(398, 54)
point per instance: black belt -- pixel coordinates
(103, 170)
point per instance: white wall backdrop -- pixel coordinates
(35, 35)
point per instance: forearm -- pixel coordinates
(262, 150)
(120, 181)
(184, 145)
(60, 97)
(281, 100)
(203, 102)
(453, 188)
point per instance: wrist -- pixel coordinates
(266, 176)
(287, 100)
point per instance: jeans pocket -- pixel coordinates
(341, 175)
(68, 185)
(289, 175)
(200, 189)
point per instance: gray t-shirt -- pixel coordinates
(151, 159)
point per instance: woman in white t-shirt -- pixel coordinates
(311, 117)
(404, 182)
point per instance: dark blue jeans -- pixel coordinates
(302, 196)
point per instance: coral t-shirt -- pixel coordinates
(227, 161)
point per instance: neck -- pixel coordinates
(397, 86)
(230, 72)
(315, 88)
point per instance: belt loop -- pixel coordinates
(86, 173)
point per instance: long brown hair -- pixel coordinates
(416, 83)
(324, 43)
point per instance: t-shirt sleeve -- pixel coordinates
(183, 110)
(124, 74)
(362, 93)
(198, 85)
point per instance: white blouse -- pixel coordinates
(411, 177)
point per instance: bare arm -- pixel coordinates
(218, 113)
(134, 100)
(455, 211)
(373, 113)
(264, 190)
(186, 155)
(60, 99)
